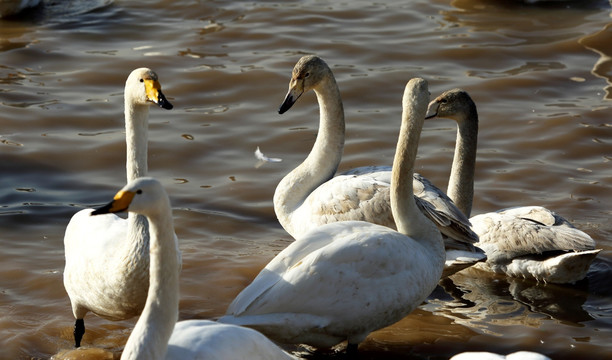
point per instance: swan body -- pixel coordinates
(519, 355)
(529, 241)
(310, 195)
(107, 266)
(157, 335)
(342, 280)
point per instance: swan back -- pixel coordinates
(208, 340)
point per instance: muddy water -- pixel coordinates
(540, 75)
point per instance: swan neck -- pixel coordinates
(136, 133)
(324, 158)
(402, 204)
(461, 181)
(408, 218)
(149, 339)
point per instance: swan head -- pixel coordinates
(307, 74)
(142, 87)
(142, 196)
(454, 104)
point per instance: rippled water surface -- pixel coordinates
(541, 76)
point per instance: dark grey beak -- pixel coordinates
(288, 103)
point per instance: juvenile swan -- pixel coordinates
(345, 279)
(529, 241)
(310, 195)
(107, 257)
(157, 335)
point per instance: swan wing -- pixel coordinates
(354, 266)
(363, 194)
(510, 233)
(351, 197)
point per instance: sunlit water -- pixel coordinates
(540, 75)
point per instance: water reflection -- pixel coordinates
(600, 43)
(486, 301)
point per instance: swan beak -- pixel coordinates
(120, 203)
(432, 110)
(290, 99)
(155, 95)
(296, 89)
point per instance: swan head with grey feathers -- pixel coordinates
(307, 73)
(454, 104)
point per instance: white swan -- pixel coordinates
(105, 273)
(345, 279)
(529, 241)
(310, 195)
(157, 335)
(481, 355)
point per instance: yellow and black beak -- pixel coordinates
(120, 203)
(155, 95)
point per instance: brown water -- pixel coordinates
(541, 76)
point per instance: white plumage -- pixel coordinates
(530, 241)
(107, 257)
(310, 195)
(482, 355)
(157, 335)
(343, 280)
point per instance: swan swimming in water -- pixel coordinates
(105, 273)
(310, 195)
(529, 241)
(345, 279)
(157, 335)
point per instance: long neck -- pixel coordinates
(136, 137)
(408, 218)
(136, 128)
(461, 182)
(149, 339)
(324, 158)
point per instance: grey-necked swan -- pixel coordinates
(527, 241)
(310, 195)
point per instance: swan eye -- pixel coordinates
(306, 75)
(141, 80)
(443, 101)
(139, 191)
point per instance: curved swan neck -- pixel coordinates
(408, 218)
(149, 339)
(324, 158)
(461, 183)
(136, 134)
